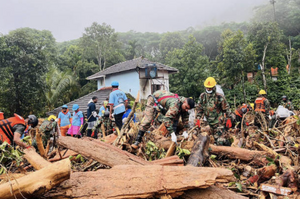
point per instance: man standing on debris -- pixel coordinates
(92, 117)
(261, 105)
(64, 120)
(239, 113)
(171, 106)
(12, 129)
(286, 103)
(213, 106)
(48, 129)
(117, 101)
(107, 125)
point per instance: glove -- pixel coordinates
(198, 123)
(185, 135)
(270, 117)
(228, 123)
(57, 119)
(94, 113)
(173, 137)
(69, 125)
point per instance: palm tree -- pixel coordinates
(60, 87)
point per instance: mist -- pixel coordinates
(66, 19)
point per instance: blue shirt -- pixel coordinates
(102, 109)
(117, 98)
(127, 113)
(76, 118)
(64, 118)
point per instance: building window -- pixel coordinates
(155, 87)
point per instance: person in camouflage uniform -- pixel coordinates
(262, 105)
(213, 106)
(106, 121)
(48, 129)
(286, 103)
(171, 107)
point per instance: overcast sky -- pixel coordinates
(66, 19)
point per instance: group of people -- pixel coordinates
(162, 105)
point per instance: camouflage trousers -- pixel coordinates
(218, 132)
(149, 113)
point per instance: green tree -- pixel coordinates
(25, 56)
(192, 66)
(169, 42)
(237, 56)
(100, 42)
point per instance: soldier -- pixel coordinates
(286, 103)
(213, 106)
(106, 121)
(48, 129)
(171, 106)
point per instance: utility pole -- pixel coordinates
(273, 2)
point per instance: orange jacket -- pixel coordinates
(260, 105)
(6, 128)
(239, 111)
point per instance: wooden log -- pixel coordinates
(171, 150)
(239, 153)
(130, 181)
(37, 161)
(104, 153)
(212, 192)
(275, 189)
(173, 160)
(169, 161)
(199, 151)
(39, 142)
(37, 183)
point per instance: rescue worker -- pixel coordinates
(239, 113)
(92, 117)
(12, 129)
(117, 101)
(64, 120)
(103, 108)
(171, 107)
(107, 124)
(213, 106)
(47, 129)
(287, 104)
(77, 122)
(262, 105)
(126, 114)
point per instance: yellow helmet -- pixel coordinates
(262, 92)
(52, 117)
(210, 82)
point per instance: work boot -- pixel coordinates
(138, 139)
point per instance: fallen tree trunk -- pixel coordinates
(104, 153)
(199, 151)
(37, 161)
(212, 192)
(256, 157)
(169, 161)
(37, 183)
(131, 182)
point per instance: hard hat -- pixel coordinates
(210, 82)
(105, 103)
(64, 106)
(115, 83)
(284, 97)
(75, 107)
(252, 105)
(32, 119)
(51, 117)
(106, 114)
(262, 92)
